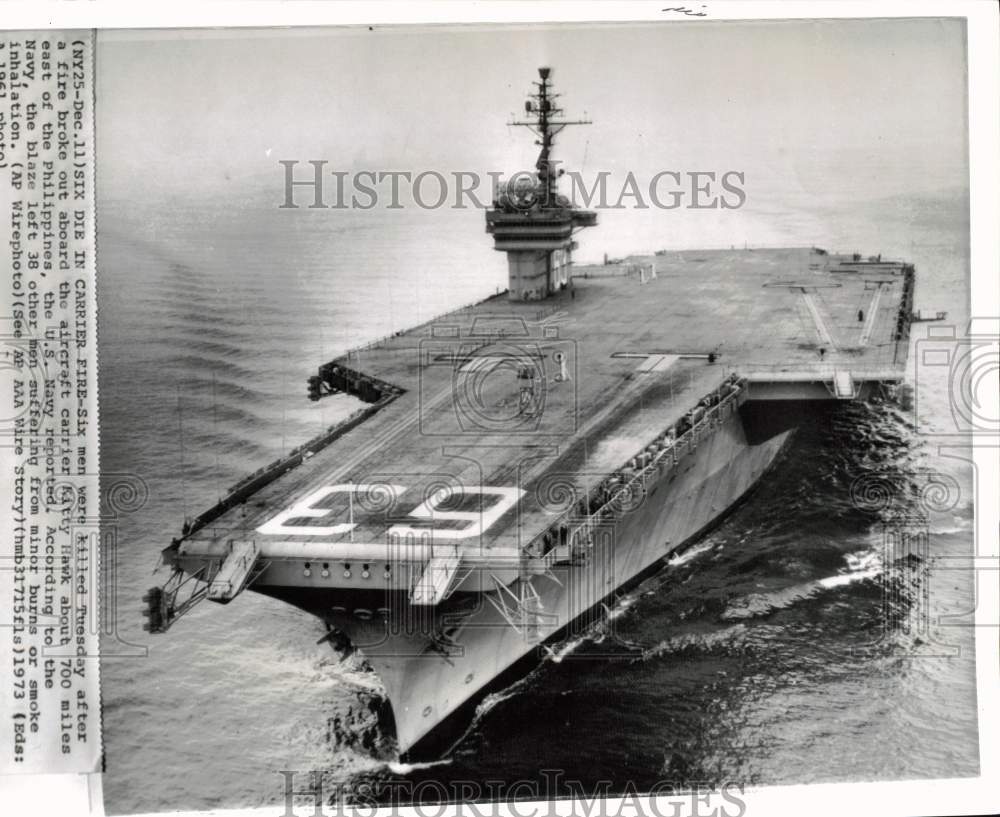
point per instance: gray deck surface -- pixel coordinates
(765, 313)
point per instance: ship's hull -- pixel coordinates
(436, 665)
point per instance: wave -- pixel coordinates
(350, 670)
(861, 566)
(192, 365)
(621, 606)
(959, 525)
(689, 554)
(215, 348)
(492, 700)
(699, 641)
(560, 651)
(408, 768)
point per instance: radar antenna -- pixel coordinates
(529, 220)
(545, 126)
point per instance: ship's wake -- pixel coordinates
(690, 554)
(410, 768)
(726, 638)
(861, 566)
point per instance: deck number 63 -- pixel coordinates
(476, 522)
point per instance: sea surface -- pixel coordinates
(787, 646)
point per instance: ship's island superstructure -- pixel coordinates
(514, 464)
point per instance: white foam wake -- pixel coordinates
(562, 650)
(409, 768)
(688, 555)
(861, 566)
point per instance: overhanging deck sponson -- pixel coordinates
(570, 536)
(567, 539)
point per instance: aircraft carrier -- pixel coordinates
(513, 465)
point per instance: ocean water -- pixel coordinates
(768, 653)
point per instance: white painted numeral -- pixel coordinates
(305, 509)
(478, 522)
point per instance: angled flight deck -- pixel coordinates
(622, 353)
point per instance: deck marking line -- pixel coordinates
(866, 330)
(821, 328)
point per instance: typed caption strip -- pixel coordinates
(49, 492)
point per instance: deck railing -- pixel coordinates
(262, 477)
(621, 487)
